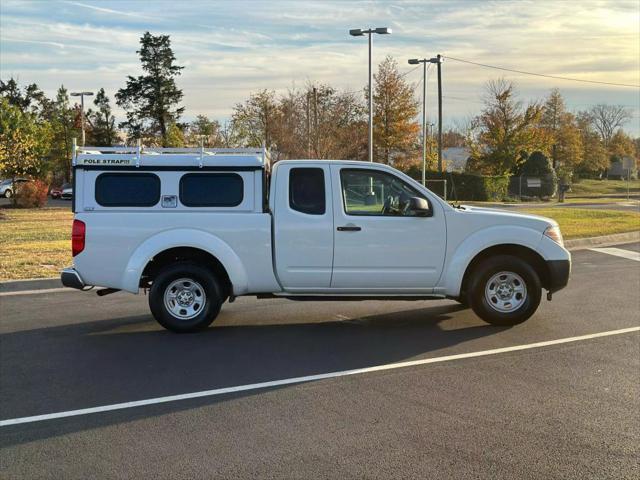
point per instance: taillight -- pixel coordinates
(77, 237)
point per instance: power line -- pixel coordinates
(410, 71)
(542, 74)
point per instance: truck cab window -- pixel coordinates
(306, 190)
(370, 192)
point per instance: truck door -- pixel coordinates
(380, 244)
(303, 226)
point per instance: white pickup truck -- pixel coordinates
(198, 227)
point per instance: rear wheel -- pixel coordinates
(185, 297)
(7, 193)
(504, 290)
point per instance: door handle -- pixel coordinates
(349, 228)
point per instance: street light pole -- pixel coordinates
(370, 101)
(81, 95)
(424, 61)
(358, 32)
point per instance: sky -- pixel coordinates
(232, 48)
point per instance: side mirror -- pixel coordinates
(419, 206)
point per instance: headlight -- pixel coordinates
(553, 232)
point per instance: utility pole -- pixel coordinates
(81, 95)
(308, 124)
(439, 61)
(315, 122)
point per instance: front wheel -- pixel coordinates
(185, 297)
(7, 193)
(504, 290)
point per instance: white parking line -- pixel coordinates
(308, 378)
(35, 292)
(618, 252)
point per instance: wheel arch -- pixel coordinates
(532, 257)
(487, 241)
(188, 244)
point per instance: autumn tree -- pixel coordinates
(102, 123)
(561, 134)
(595, 159)
(321, 122)
(395, 128)
(151, 100)
(24, 141)
(621, 145)
(256, 120)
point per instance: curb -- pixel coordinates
(576, 244)
(603, 241)
(30, 284)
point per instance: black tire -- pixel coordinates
(204, 283)
(489, 308)
(8, 193)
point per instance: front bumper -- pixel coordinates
(70, 278)
(559, 271)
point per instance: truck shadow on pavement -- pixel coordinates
(90, 364)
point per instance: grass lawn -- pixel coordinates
(580, 222)
(602, 187)
(35, 242)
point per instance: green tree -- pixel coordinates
(395, 110)
(64, 129)
(24, 141)
(538, 165)
(205, 130)
(28, 99)
(102, 123)
(152, 100)
(175, 136)
(503, 130)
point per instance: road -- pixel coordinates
(567, 409)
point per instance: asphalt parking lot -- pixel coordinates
(568, 408)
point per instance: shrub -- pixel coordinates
(536, 166)
(32, 194)
(466, 186)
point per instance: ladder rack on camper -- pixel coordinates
(139, 156)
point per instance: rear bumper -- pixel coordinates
(70, 278)
(559, 271)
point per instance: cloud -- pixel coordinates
(110, 11)
(232, 48)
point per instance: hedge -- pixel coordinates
(466, 186)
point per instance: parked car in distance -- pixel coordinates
(7, 188)
(67, 192)
(56, 192)
(197, 228)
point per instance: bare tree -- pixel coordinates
(606, 119)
